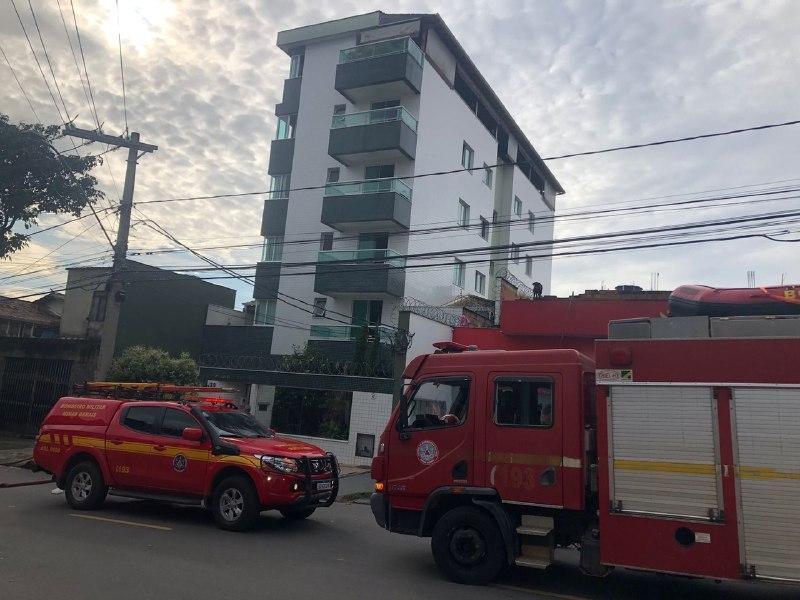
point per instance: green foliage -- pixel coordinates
(142, 364)
(34, 179)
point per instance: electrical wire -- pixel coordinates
(122, 71)
(47, 58)
(19, 83)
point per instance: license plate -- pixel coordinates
(324, 486)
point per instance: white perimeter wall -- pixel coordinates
(426, 333)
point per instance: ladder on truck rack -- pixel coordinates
(536, 542)
(151, 391)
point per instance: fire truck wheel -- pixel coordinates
(298, 513)
(468, 546)
(84, 487)
(235, 504)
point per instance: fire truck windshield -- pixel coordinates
(236, 424)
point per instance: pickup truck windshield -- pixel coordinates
(236, 424)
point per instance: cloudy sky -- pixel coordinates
(202, 80)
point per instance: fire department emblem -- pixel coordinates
(179, 463)
(427, 452)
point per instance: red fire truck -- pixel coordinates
(176, 444)
(679, 453)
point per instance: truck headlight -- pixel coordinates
(278, 463)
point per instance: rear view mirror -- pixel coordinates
(192, 434)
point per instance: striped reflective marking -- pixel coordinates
(512, 458)
(653, 466)
(764, 473)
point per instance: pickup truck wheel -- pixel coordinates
(298, 513)
(235, 504)
(84, 486)
(468, 546)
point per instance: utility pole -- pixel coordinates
(114, 292)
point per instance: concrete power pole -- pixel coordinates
(114, 292)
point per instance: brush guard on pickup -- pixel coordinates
(312, 496)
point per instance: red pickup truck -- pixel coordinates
(202, 452)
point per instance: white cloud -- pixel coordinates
(203, 78)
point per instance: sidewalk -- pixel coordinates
(14, 449)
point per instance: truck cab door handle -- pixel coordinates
(159, 448)
(115, 442)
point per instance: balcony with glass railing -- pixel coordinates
(358, 272)
(383, 133)
(388, 68)
(347, 333)
(370, 205)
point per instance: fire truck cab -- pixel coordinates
(678, 454)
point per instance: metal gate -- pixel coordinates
(767, 424)
(664, 451)
(30, 387)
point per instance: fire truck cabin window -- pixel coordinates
(524, 402)
(438, 403)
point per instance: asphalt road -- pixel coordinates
(146, 550)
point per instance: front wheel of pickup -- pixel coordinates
(84, 487)
(235, 504)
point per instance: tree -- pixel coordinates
(35, 179)
(143, 364)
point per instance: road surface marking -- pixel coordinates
(121, 522)
(517, 588)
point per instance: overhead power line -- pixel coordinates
(49, 63)
(675, 140)
(122, 71)
(19, 83)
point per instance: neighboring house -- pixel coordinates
(40, 318)
(158, 307)
(371, 101)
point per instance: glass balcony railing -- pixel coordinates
(369, 186)
(369, 117)
(383, 48)
(367, 255)
(349, 332)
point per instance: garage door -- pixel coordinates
(768, 469)
(663, 451)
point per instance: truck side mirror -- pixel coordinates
(192, 434)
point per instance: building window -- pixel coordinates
(333, 175)
(338, 115)
(480, 282)
(378, 171)
(279, 186)
(384, 104)
(326, 241)
(531, 221)
(265, 312)
(273, 249)
(494, 217)
(315, 413)
(488, 175)
(467, 156)
(97, 312)
(463, 214)
(484, 229)
(515, 253)
(517, 206)
(319, 307)
(459, 272)
(528, 266)
(523, 402)
(296, 65)
(286, 126)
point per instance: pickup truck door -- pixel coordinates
(128, 440)
(524, 448)
(178, 465)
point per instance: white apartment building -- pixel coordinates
(372, 101)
